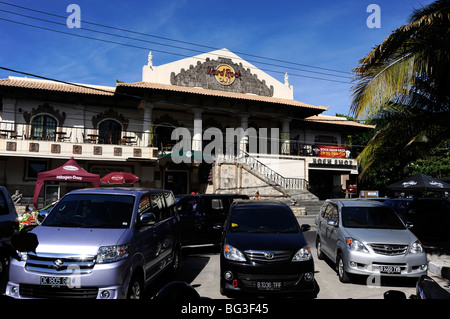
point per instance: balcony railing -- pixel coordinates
(16, 139)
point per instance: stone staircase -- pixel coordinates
(292, 191)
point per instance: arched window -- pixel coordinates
(163, 135)
(110, 132)
(43, 127)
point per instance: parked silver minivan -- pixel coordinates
(100, 243)
(367, 238)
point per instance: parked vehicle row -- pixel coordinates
(111, 243)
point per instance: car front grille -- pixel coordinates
(268, 256)
(59, 264)
(389, 249)
(38, 291)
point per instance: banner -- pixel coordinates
(331, 151)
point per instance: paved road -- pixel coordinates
(200, 268)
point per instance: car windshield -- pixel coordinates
(259, 219)
(371, 217)
(92, 211)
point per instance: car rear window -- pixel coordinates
(263, 219)
(371, 217)
(92, 211)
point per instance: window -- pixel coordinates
(158, 206)
(163, 136)
(43, 127)
(110, 132)
(33, 167)
(170, 203)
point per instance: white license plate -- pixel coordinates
(268, 285)
(390, 269)
(55, 281)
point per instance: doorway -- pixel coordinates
(177, 182)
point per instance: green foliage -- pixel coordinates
(402, 86)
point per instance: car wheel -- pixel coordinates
(319, 249)
(343, 275)
(136, 288)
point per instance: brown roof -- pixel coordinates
(56, 86)
(337, 120)
(217, 93)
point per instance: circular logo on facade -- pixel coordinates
(225, 74)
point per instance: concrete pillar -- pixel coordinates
(147, 124)
(285, 137)
(197, 137)
(243, 143)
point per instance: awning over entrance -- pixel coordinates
(69, 172)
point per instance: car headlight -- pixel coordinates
(356, 245)
(232, 253)
(22, 255)
(109, 254)
(416, 248)
(303, 254)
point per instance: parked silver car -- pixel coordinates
(100, 243)
(367, 238)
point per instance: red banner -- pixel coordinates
(331, 151)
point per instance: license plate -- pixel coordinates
(268, 285)
(390, 269)
(55, 281)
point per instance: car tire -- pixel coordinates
(344, 277)
(135, 288)
(320, 255)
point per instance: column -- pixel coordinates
(147, 124)
(244, 138)
(285, 137)
(197, 141)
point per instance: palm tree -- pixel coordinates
(404, 83)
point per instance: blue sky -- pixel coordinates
(325, 34)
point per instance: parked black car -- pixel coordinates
(430, 217)
(200, 213)
(264, 251)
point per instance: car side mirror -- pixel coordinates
(305, 227)
(147, 219)
(332, 222)
(409, 225)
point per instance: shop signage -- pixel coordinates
(331, 151)
(332, 162)
(224, 74)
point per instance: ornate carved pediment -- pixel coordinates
(221, 74)
(110, 114)
(45, 109)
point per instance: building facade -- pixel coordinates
(130, 127)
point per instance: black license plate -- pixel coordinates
(268, 285)
(390, 270)
(55, 281)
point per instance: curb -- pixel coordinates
(439, 270)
